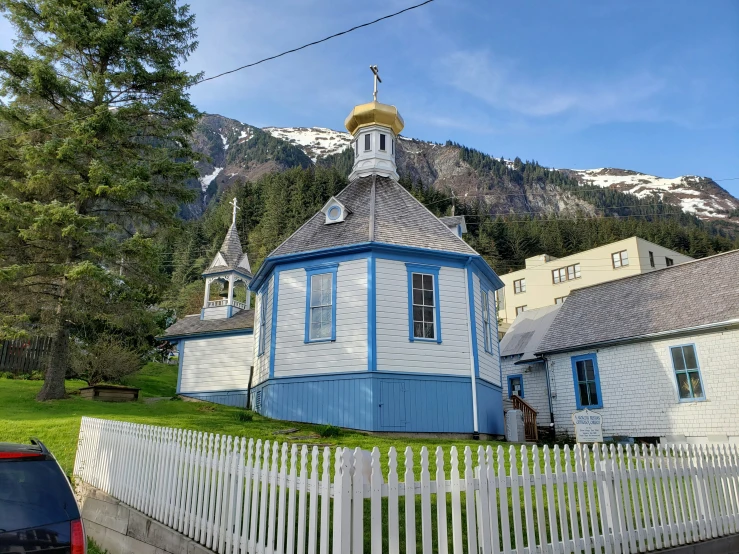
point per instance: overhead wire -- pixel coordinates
(286, 52)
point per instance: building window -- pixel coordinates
(320, 316)
(262, 320)
(519, 286)
(669, 262)
(687, 372)
(500, 299)
(587, 381)
(487, 327)
(560, 300)
(620, 259)
(392, 146)
(566, 273)
(520, 309)
(382, 142)
(651, 259)
(367, 142)
(423, 303)
(515, 386)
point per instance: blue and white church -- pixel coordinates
(374, 315)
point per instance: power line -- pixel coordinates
(316, 42)
(250, 64)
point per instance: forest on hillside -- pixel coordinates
(275, 205)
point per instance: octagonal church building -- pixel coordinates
(375, 314)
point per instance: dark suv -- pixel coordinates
(38, 512)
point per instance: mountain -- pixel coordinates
(698, 195)
(234, 151)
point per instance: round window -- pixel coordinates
(334, 212)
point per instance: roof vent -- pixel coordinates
(335, 211)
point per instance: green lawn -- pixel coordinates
(57, 422)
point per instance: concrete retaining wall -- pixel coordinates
(119, 529)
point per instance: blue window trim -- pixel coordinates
(510, 386)
(263, 301)
(331, 268)
(489, 337)
(181, 358)
(473, 318)
(574, 361)
(429, 270)
(700, 374)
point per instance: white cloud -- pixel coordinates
(507, 86)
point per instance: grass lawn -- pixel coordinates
(57, 422)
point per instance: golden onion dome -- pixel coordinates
(374, 113)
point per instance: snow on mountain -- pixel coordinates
(698, 195)
(316, 142)
(207, 179)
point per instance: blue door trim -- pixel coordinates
(510, 386)
(181, 358)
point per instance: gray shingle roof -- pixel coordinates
(527, 332)
(232, 254)
(193, 325)
(700, 292)
(399, 219)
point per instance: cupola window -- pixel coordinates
(356, 147)
(382, 142)
(366, 142)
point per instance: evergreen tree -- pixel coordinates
(97, 115)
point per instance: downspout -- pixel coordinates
(470, 289)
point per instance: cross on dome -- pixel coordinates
(374, 70)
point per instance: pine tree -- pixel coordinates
(98, 118)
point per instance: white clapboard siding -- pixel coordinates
(218, 363)
(215, 313)
(394, 351)
(293, 356)
(239, 497)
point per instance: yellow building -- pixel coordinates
(547, 280)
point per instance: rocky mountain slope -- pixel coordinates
(238, 151)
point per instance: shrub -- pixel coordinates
(105, 360)
(329, 431)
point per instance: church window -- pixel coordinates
(367, 143)
(392, 146)
(382, 142)
(356, 147)
(423, 303)
(687, 372)
(321, 304)
(262, 321)
(487, 327)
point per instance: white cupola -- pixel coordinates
(375, 128)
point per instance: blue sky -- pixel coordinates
(649, 86)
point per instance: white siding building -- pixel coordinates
(655, 354)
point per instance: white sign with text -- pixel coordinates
(588, 426)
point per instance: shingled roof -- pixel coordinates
(697, 293)
(230, 253)
(398, 219)
(193, 325)
(527, 332)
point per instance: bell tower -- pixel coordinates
(375, 128)
(229, 273)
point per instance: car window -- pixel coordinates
(34, 493)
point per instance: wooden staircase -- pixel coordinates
(529, 418)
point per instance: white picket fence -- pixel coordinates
(236, 496)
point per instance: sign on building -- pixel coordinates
(588, 426)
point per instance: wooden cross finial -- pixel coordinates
(234, 204)
(373, 68)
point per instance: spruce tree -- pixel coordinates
(94, 154)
